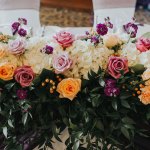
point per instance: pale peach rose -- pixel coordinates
(7, 71)
(111, 40)
(146, 76)
(68, 88)
(2, 52)
(145, 95)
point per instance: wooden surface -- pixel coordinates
(72, 4)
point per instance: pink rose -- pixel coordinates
(65, 39)
(143, 44)
(61, 62)
(24, 75)
(17, 47)
(117, 64)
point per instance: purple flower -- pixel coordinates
(94, 40)
(87, 33)
(22, 32)
(21, 94)
(15, 27)
(22, 21)
(115, 91)
(47, 49)
(111, 83)
(108, 23)
(131, 29)
(101, 29)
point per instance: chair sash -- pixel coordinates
(19, 4)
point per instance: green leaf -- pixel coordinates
(10, 123)
(96, 100)
(138, 69)
(100, 125)
(128, 120)
(125, 104)
(124, 96)
(101, 82)
(125, 132)
(9, 86)
(78, 134)
(76, 145)
(148, 115)
(24, 118)
(5, 131)
(114, 104)
(129, 126)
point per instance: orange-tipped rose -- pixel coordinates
(146, 76)
(6, 71)
(145, 95)
(68, 88)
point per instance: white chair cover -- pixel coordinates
(11, 10)
(123, 10)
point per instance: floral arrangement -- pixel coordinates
(97, 86)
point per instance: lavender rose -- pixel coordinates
(65, 39)
(117, 64)
(17, 47)
(24, 75)
(61, 62)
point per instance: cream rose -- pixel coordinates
(111, 40)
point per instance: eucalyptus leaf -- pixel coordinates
(10, 123)
(9, 86)
(5, 131)
(125, 104)
(128, 120)
(114, 104)
(96, 100)
(24, 118)
(100, 125)
(76, 145)
(125, 132)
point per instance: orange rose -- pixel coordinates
(6, 71)
(145, 95)
(68, 88)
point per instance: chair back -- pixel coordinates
(11, 10)
(119, 11)
(19, 4)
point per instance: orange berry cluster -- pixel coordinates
(137, 90)
(51, 83)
